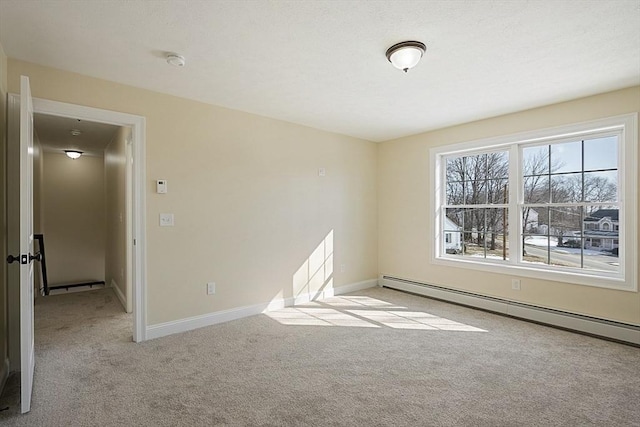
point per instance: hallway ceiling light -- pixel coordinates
(75, 132)
(406, 55)
(176, 60)
(73, 154)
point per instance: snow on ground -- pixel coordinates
(489, 256)
(543, 241)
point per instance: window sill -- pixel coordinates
(522, 270)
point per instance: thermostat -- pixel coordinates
(161, 186)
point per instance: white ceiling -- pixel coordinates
(322, 64)
(54, 133)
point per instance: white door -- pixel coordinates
(27, 360)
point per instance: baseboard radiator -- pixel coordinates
(617, 331)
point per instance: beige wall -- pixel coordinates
(115, 162)
(403, 201)
(72, 203)
(250, 209)
(3, 220)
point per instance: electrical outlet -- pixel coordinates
(322, 172)
(211, 288)
(343, 268)
(166, 220)
(515, 284)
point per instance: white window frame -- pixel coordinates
(627, 128)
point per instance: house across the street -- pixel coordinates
(601, 229)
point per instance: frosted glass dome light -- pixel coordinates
(73, 154)
(406, 55)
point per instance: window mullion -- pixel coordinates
(515, 197)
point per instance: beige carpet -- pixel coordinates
(374, 358)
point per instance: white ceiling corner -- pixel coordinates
(322, 63)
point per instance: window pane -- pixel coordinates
(452, 242)
(566, 157)
(601, 186)
(566, 188)
(497, 165)
(453, 219)
(474, 220)
(473, 179)
(535, 160)
(566, 222)
(455, 169)
(566, 252)
(601, 238)
(536, 189)
(454, 193)
(535, 249)
(471, 246)
(453, 231)
(498, 191)
(474, 232)
(475, 192)
(497, 236)
(497, 218)
(531, 220)
(601, 253)
(475, 168)
(601, 153)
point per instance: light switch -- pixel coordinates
(322, 172)
(166, 220)
(161, 186)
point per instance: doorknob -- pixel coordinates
(11, 259)
(24, 259)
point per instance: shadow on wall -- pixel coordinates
(314, 278)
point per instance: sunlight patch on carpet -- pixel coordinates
(365, 312)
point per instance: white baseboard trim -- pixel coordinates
(577, 322)
(119, 294)
(4, 374)
(195, 322)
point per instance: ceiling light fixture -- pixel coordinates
(75, 132)
(176, 60)
(73, 154)
(406, 55)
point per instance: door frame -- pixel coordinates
(135, 203)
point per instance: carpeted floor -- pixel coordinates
(373, 358)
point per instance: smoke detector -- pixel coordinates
(175, 60)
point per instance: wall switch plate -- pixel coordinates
(515, 284)
(161, 186)
(322, 172)
(166, 220)
(211, 288)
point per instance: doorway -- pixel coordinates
(80, 171)
(135, 200)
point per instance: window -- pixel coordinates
(548, 203)
(477, 196)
